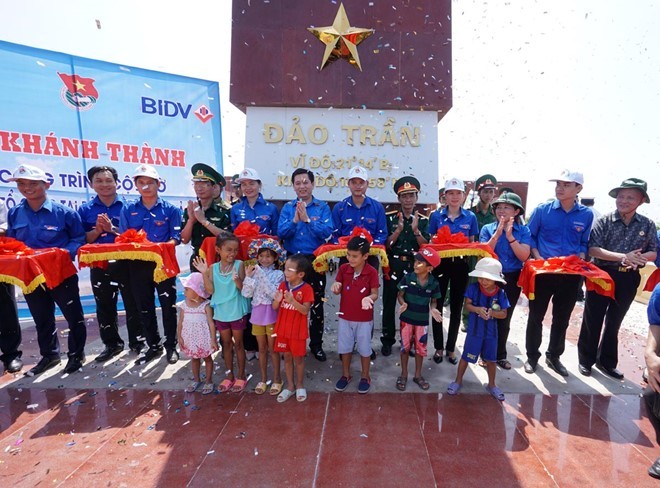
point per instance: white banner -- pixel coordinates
(389, 144)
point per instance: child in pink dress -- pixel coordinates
(196, 331)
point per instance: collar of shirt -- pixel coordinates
(617, 216)
(47, 205)
(260, 199)
(444, 212)
(366, 203)
(159, 201)
(97, 201)
(556, 205)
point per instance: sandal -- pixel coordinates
(437, 357)
(452, 359)
(192, 387)
(454, 388)
(260, 388)
(504, 364)
(401, 383)
(301, 394)
(482, 363)
(239, 386)
(225, 385)
(275, 388)
(495, 392)
(423, 384)
(284, 396)
(208, 388)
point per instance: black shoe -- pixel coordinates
(44, 364)
(452, 359)
(137, 347)
(530, 367)
(14, 366)
(319, 354)
(584, 370)
(437, 357)
(555, 365)
(613, 372)
(74, 364)
(109, 352)
(386, 350)
(654, 470)
(172, 356)
(373, 355)
(151, 354)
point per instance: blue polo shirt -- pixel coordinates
(53, 225)
(466, 222)
(371, 216)
(264, 214)
(89, 211)
(161, 222)
(303, 238)
(503, 249)
(556, 232)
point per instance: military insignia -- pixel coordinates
(200, 172)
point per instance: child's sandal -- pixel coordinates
(422, 383)
(260, 389)
(208, 388)
(275, 389)
(192, 387)
(239, 386)
(225, 385)
(401, 383)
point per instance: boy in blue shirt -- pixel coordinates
(486, 303)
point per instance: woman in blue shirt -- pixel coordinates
(252, 206)
(452, 272)
(511, 242)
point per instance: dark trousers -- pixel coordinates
(10, 329)
(599, 308)
(316, 313)
(106, 284)
(398, 269)
(504, 325)
(562, 289)
(41, 303)
(451, 272)
(140, 275)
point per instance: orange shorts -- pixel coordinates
(297, 347)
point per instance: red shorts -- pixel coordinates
(297, 347)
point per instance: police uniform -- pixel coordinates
(400, 254)
(217, 214)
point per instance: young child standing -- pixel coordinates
(416, 291)
(486, 303)
(196, 330)
(294, 298)
(224, 281)
(261, 284)
(357, 282)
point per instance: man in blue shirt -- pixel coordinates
(10, 328)
(41, 223)
(161, 221)
(100, 218)
(558, 228)
(305, 224)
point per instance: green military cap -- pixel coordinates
(407, 184)
(203, 172)
(235, 183)
(485, 181)
(510, 198)
(441, 191)
(633, 184)
(506, 189)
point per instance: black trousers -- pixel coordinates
(316, 313)
(140, 275)
(504, 325)
(398, 269)
(592, 348)
(10, 329)
(106, 284)
(41, 303)
(562, 289)
(451, 272)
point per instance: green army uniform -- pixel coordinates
(401, 257)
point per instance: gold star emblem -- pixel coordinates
(341, 39)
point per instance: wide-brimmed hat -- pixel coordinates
(195, 281)
(489, 268)
(570, 176)
(28, 172)
(248, 174)
(266, 243)
(633, 184)
(428, 255)
(510, 198)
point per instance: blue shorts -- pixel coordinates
(476, 346)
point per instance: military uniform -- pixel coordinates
(401, 257)
(487, 216)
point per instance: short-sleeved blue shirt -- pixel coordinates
(556, 232)
(263, 213)
(465, 223)
(161, 222)
(503, 249)
(476, 325)
(89, 211)
(370, 215)
(301, 237)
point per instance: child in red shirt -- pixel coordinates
(294, 298)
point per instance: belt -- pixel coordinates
(621, 269)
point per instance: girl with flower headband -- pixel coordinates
(261, 284)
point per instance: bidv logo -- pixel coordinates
(78, 92)
(168, 108)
